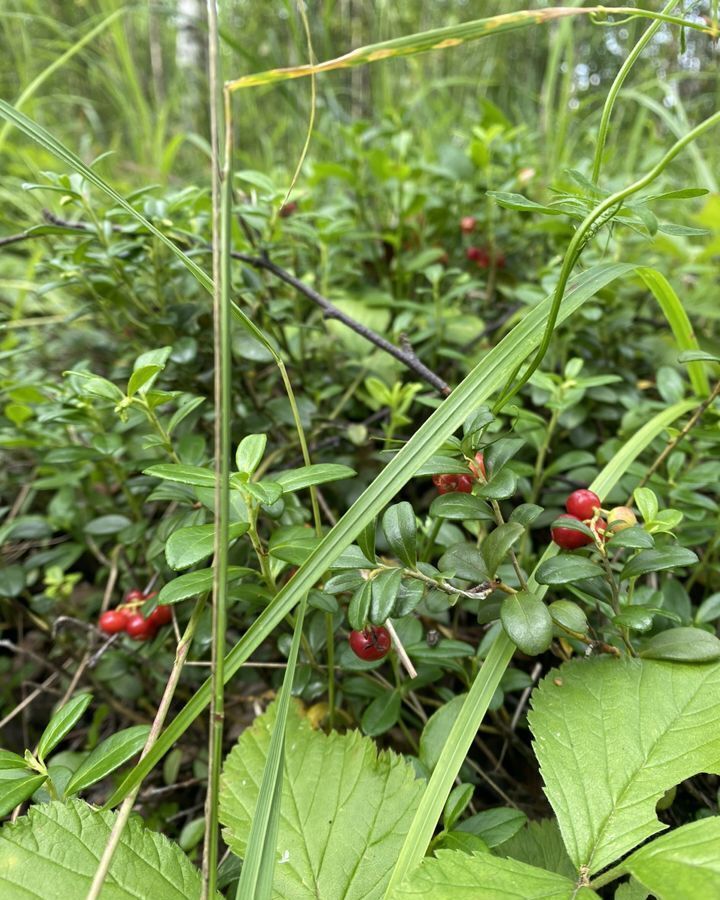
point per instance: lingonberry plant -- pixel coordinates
(455, 499)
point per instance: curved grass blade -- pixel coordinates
(449, 36)
(488, 678)
(678, 320)
(58, 64)
(484, 380)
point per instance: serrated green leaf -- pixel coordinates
(454, 875)
(333, 785)
(250, 452)
(497, 544)
(195, 583)
(565, 569)
(108, 756)
(321, 473)
(645, 725)
(190, 545)
(399, 526)
(55, 850)
(527, 622)
(683, 645)
(61, 723)
(684, 864)
(657, 560)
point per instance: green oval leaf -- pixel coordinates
(385, 586)
(195, 583)
(461, 506)
(191, 475)
(381, 714)
(657, 560)
(496, 545)
(250, 452)
(565, 569)
(527, 622)
(190, 545)
(399, 527)
(683, 645)
(61, 723)
(296, 479)
(108, 756)
(16, 790)
(359, 606)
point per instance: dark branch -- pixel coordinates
(405, 355)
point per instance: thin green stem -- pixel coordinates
(615, 90)
(580, 238)
(222, 212)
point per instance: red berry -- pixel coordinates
(568, 538)
(599, 527)
(582, 504)
(371, 643)
(479, 256)
(477, 466)
(139, 628)
(288, 209)
(464, 484)
(113, 621)
(467, 224)
(161, 615)
(132, 596)
(445, 484)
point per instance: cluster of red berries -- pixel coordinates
(128, 618)
(448, 484)
(481, 256)
(372, 643)
(584, 506)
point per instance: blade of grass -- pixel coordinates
(451, 36)
(680, 324)
(40, 79)
(485, 379)
(615, 89)
(259, 862)
(488, 678)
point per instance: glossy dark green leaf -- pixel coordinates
(500, 486)
(110, 524)
(188, 546)
(381, 714)
(465, 561)
(366, 540)
(657, 560)
(565, 569)
(634, 537)
(359, 606)
(293, 544)
(527, 622)
(568, 615)
(385, 586)
(525, 514)
(460, 506)
(296, 479)
(497, 544)
(637, 618)
(682, 645)
(195, 583)
(12, 581)
(400, 528)
(61, 723)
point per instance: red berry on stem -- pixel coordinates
(467, 224)
(582, 504)
(568, 538)
(139, 628)
(161, 615)
(465, 484)
(371, 643)
(112, 621)
(132, 596)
